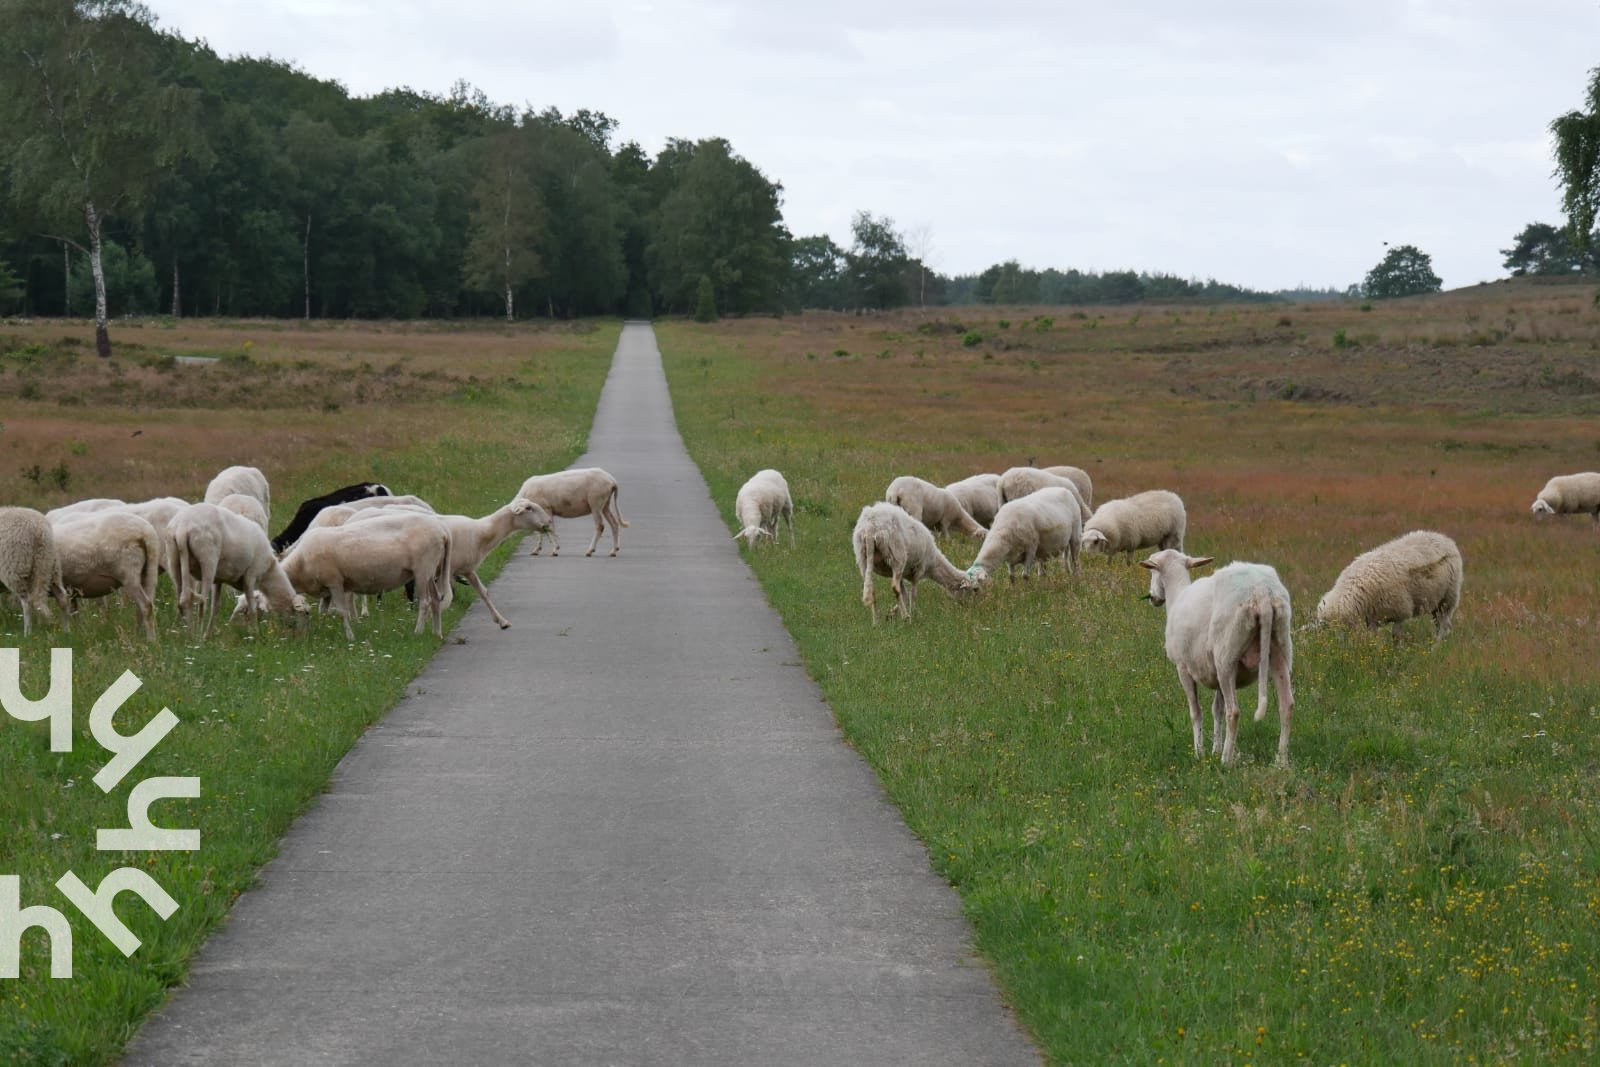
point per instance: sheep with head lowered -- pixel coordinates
(889, 542)
(572, 494)
(1078, 477)
(1154, 519)
(215, 547)
(375, 555)
(932, 505)
(1417, 574)
(308, 509)
(1226, 631)
(761, 502)
(1570, 494)
(104, 552)
(979, 495)
(1029, 530)
(1018, 482)
(247, 506)
(29, 564)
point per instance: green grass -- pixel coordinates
(264, 717)
(1421, 887)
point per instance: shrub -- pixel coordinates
(971, 339)
(705, 301)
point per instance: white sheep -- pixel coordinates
(1029, 530)
(1078, 477)
(159, 512)
(1417, 574)
(761, 502)
(979, 495)
(248, 506)
(891, 543)
(1154, 519)
(415, 503)
(471, 540)
(572, 494)
(375, 556)
(215, 547)
(1570, 494)
(246, 480)
(29, 565)
(1018, 482)
(104, 552)
(932, 505)
(84, 507)
(1224, 631)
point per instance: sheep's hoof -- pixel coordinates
(613, 552)
(505, 626)
(589, 553)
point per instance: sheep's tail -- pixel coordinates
(443, 592)
(180, 567)
(616, 505)
(864, 565)
(1266, 622)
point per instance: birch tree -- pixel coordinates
(88, 124)
(508, 222)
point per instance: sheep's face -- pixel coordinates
(1158, 586)
(1094, 541)
(299, 607)
(1541, 509)
(1324, 613)
(976, 578)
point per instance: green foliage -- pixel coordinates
(878, 263)
(1577, 150)
(705, 302)
(130, 281)
(971, 339)
(1542, 249)
(818, 275)
(1405, 270)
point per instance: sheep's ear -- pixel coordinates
(1147, 565)
(1196, 564)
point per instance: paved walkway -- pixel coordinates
(624, 831)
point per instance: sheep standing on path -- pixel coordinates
(889, 542)
(374, 556)
(1570, 494)
(1417, 574)
(1029, 530)
(473, 539)
(572, 494)
(29, 565)
(979, 495)
(103, 552)
(1154, 519)
(761, 502)
(1225, 631)
(932, 505)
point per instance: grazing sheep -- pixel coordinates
(247, 506)
(308, 510)
(761, 502)
(29, 565)
(103, 552)
(246, 480)
(1223, 632)
(473, 539)
(1078, 477)
(1018, 482)
(415, 503)
(1154, 519)
(572, 494)
(84, 507)
(159, 512)
(979, 495)
(1417, 574)
(1570, 494)
(1029, 530)
(374, 557)
(932, 505)
(891, 543)
(217, 547)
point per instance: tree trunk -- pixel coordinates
(177, 299)
(102, 337)
(510, 314)
(66, 280)
(305, 263)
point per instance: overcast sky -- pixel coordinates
(1266, 143)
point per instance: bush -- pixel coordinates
(971, 339)
(705, 301)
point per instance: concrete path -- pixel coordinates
(624, 831)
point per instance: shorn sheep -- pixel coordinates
(1078, 477)
(891, 543)
(471, 540)
(1417, 574)
(1027, 531)
(1155, 519)
(375, 556)
(29, 565)
(932, 505)
(572, 494)
(1223, 632)
(215, 547)
(246, 480)
(761, 502)
(1018, 482)
(247, 506)
(1570, 494)
(103, 552)
(979, 495)
(308, 509)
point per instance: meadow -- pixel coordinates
(458, 415)
(1422, 885)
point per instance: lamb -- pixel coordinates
(248, 506)
(571, 494)
(1078, 477)
(103, 552)
(375, 556)
(246, 480)
(891, 543)
(1570, 494)
(932, 505)
(29, 565)
(979, 495)
(1018, 482)
(471, 540)
(1027, 531)
(761, 502)
(1417, 574)
(308, 510)
(1224, 631)
(1153, 519)
(216, 546)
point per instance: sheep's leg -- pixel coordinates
(27, 616)
(616, 528)
(1280, 679)
(424, 603)
(599, 528)
(1216, 722)
(1230, 708)
(144, 611)
(538, 545)
(251, 611)
(1193, 698)
(343, 605)
(788, 516)
(911, 597)
(869, 595)
(483, 594)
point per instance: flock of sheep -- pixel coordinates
(357, 540)
(1222, 631)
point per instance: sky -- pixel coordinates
(1264, 143)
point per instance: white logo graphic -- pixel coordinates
(141, 834)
